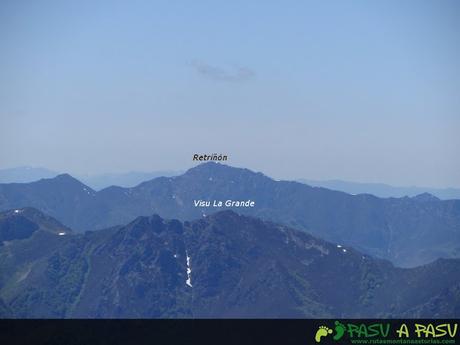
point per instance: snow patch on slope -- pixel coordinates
(189, 271)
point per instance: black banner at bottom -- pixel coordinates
(238, 332)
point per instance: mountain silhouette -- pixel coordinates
(383, 190)
(407, 231)
(223, 265)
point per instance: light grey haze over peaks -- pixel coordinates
(358, 91)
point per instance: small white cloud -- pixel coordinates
(228, 74)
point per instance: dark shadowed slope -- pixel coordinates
(383, 190)
(224, 265)
(27, 237)
(25, 222)
(408, 231)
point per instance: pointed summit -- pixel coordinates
(65, 177)
(67, 181)
(425, 197)
(208, 167)
(212, 170)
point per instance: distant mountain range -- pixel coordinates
(223, 265)
(407, 231)
(129, 179)
(383, 190)
(133, 178)
(96, 182)
(25, 174)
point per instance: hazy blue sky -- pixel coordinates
(359, 90)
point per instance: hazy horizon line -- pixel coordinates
(178, 172)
